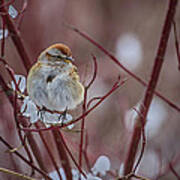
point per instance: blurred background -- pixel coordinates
(131, 31)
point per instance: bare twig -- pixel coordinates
(3, 38)
(143, 143)
(85, 153)
(85, 109)
(10, 72)
(174, 171)
(22, 139)
(25, 160)
(49, 152)
(62, 154)
(70, 154)
(21, 13)
(6, 4)
(131, 175)
(16, 36)
(22, 176)
(176, 44)
(34, 147)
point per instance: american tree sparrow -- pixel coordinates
(53, 81)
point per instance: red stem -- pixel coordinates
(174, 171)
(85, 109)
(62, 153)
(49, 152)
(25, 160)
(166, 169)
(16, 36)
(6, 4)
(70, 154)
(176, 44)
(143, 143)
(21, 13)
(151, 87)
(3, 38)
(22, 139)
(29, 137)
(23, 121)
(82, 129)
(85, 153)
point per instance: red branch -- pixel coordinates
(150, 89)
(85, 153)
(143, 143)
(49, 152)
(22, 139)
(174, 171)
(166, 169)
(25, 160)
(3, 38)
(31, 140)
(16, 37)
(85, 109)
(70, 154)
(82, 128)
(11, 73)
(176, 44)
(62, 153)
(6, 4)
(21, 13)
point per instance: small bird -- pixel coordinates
(53, 81)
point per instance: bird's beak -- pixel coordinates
(70, 58)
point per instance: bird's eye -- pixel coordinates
(54, 55)
(60, 56)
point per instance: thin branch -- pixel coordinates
(95, 72)
(16, 36)
(62, 154)
(166, 169)
(21, 13)
(84, 109)
(131, 175)
(22, 139)
(22, 176)
(3, 38)
(92, 100)
(70, 154)
(143, 143)
(10, 72)
(49, 152)
(34, 147)
(176, 44)
(6, 4)
(82, 128)
(24, 159)
(174, 171)
(85, 153)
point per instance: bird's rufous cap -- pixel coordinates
(62, 47)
